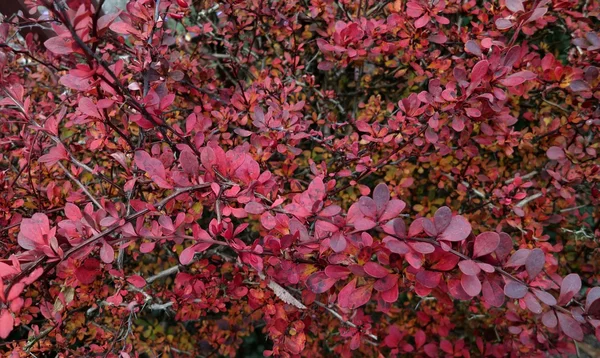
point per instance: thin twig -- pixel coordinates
(80, 185)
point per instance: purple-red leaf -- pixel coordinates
(469, 267)
(442, 218)
(535, 262)
(555, 153)
(374, 269)
(458, 230)
(569, 287)
(319, 282)
(515, 290)
(592, 302)
(470, 284)
(485, 244)
(570, 326)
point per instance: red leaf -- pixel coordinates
(374, 269)
(515, 289)
(56, 154)
(31, 235)
(386, 283)
(479, 71)
(570, 326)
(429, 227)
(422, 247)
(517, 78)
(569, 287)
(75, 83)
(505, 246)
(337, 272)
(381, 196)
(503, 24)
(6, 270)
(473, 48)
(555, 153)
(535, 262)
(360, 296)
(470, 284)
(107, 253)
(485, 244)
(153, 167)
(592, 302)
(492, 293)
(331, 210)
(189, 162)
(469, 267)
(364, 224)
(473, 112)
(255, 208)
(532, 303)
(458, 230)
(518, 258)
(7, 322)
(60, 45)
(391, 295)
(442, 218)
(545, 297)
(136, 280)
(166, 223)
(515, 5)
(422, 21)
(429, 279)
(396, 246)
(392, 209)
(443, 261)
(87, 272)
(123, 28)
(367, 206)
(88, 107)
(338, 242)
(536, 14)
(319, 282)
(187, 255)
(549, 319)
(72, 211)
(344, 294)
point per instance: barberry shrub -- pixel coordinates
(317, 177)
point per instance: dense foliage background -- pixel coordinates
(314, 177)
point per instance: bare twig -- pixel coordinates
(528, 199)
(341, 319)
(80, 185)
